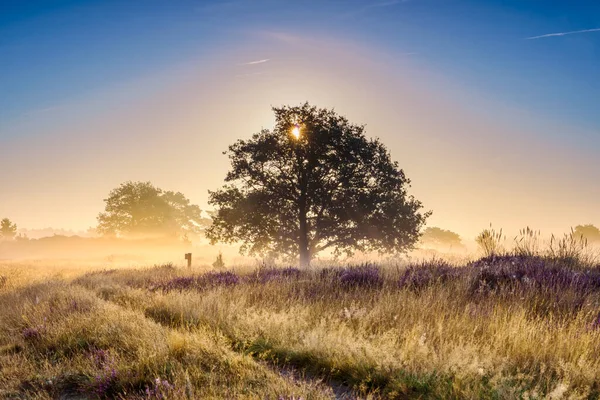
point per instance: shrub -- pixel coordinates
(366, 275)
(491, 273)
(423, 275)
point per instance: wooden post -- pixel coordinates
(188, 257)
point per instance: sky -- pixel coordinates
(490, 107)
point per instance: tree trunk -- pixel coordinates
(303, 245)
(303, 240)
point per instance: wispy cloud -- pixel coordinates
(563, 33)
(257, 62)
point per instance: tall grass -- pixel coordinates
(518, 325)
(490, 242)
(529, 242)
(570, 246)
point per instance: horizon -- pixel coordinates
(488, 108)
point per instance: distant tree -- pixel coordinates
(141, 209)
(588, 232)
(8, 229)
(22, 237)
(314, 182)
(441, 238)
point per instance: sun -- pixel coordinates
(296, 132)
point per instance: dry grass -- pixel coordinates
(113, 333)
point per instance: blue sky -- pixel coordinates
(491, 107)
(55, 51)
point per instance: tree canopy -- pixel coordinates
(588, 232)
(8, 229)
(441, 238)
(314, 182)
(141, 209)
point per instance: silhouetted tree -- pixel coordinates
(8, 229)
(441, 238)
(139, 208)
(314, 182)
(588, 232)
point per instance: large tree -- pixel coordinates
(8, 229)
(314, 182)
(438, 237)
(141, 209)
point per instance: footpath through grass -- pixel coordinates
(503, 327)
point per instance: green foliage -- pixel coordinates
(328, 187)
(8, 229)
(441, 238)
(141, 209)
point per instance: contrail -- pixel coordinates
(563, 33)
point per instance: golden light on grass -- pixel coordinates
(443, 332)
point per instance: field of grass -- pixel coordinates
(503, 327)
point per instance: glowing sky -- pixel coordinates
(491, 109)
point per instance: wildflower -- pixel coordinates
(33, 333)
(161, 389)
(423, 275)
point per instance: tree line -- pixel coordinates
(313, 183)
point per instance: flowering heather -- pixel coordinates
(33, 333)
(160, 389)
(219, 279)
(104, 384)
(367, 275)
(264, 275)
(423, 275)
(101, 358)
(494, 272)
(179, 283)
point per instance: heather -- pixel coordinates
(504, 326)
